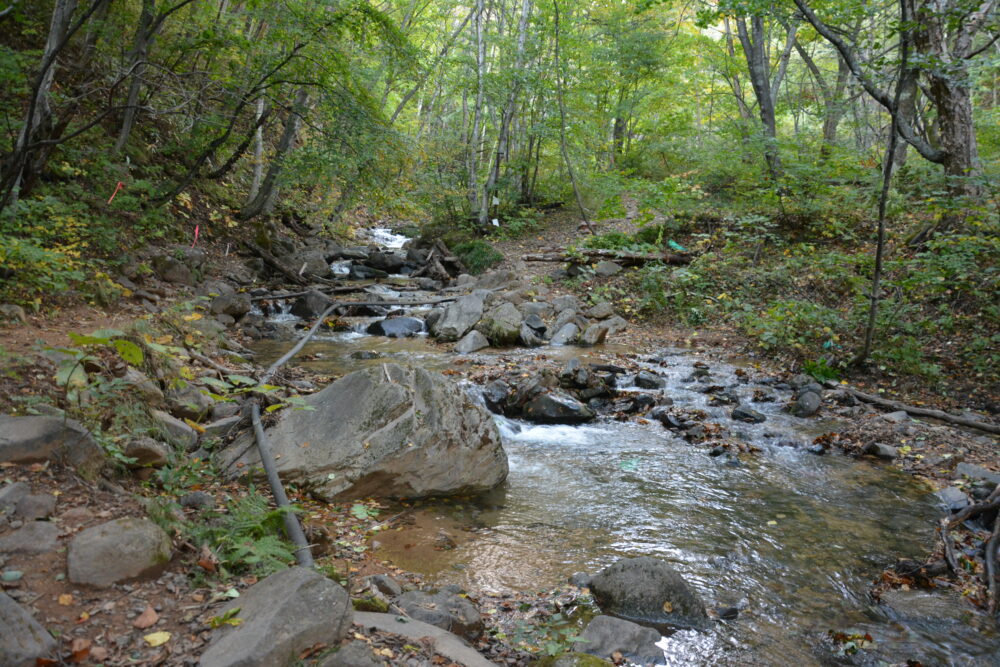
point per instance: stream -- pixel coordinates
(792, 539)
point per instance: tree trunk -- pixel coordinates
(474, 140)
(137, 66)
(263, 202)
(258, 153)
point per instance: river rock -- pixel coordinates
(650, 592)
(556, 407)
(385, 431)
(953, 498)
(117, 550)
(445, 608)
(606, 635)
(180, 264)
(606, 268)
(530, 337)
(283, 615)
(879, 450)
(34, 537)
(396, 327)
(143, 387)
(459, 317)
(471, 342)
(311, 304)
(745, 414)
(361, 272)
(354, 654)
(308, 262)
(65, 441)
(567, 334)
(23, 640)
(565, 302)
(594, 334)
(806, 405)
(649, 380)
(234, 305)
(495, 396)
(616, 324)
(538, 308)
(11, 494)
(601, 311)
(190, 402)
(896, 417)
(148, 452)
(174, 429)
(387, 261)
(443, 642)
(35, 506)
(501, 325)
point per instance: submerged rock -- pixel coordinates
(650, 592)
(396, 327)
(386, 431)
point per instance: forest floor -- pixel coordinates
(113, 626)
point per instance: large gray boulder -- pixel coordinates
(606, 635)
(22, 639)
(501, 325)
(556, 407)
(650, 592)
(65, 441)
(471, 342)
(282, 615)
(386, 431)
(116, 551)
(459, 317)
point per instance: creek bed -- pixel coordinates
(791, 538)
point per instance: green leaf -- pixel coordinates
(71, 374)
(241, 379)
(215, 382)
(272, 408)
(129, 351)
(108, 333)
(80, 340)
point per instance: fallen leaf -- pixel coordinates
(66, 599)
(99, 653)
(146, 619)
(80, 649)
(155, 639)
(668, 606)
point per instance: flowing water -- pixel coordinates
(792, 539)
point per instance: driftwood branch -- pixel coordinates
(925, 412)
(621, 256)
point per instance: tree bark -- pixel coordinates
(474, 139)
(263, 202)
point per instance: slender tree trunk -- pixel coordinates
(137, 66)
(258, 153)
(477, 112)
(263, 202)
(562, 124)
(508, 114)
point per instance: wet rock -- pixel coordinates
(308, 263)
(389, 262)
(198, 500)
(385, 585)
(896, 417)
(23, 640)
(718, 450)
(65, 441)
(573, 660)
(361, 272)
(366, 354)
(648, 591)
(357, 252)
(556, 407)
(191, 402)
(397, 327)
(605, 635)
(567, 334)
(606, 268)
(881, 451)
(501, 325)
(745, 414)
(594, 335)
(662, 414)
(310, 305)
(284, 614)
(727, 397)
(580, 580)
(495, 395)
(649, 380)
(385, 431)
(575, 375)
(442, 641)
(175, 430)
(806, 405)
(977, 473)
(445, 609)
(116, 551)
(459, 317)
(34, 537)
(530, 337)
(842, 397)
(471, 342)
(818, 450)
(953, 499)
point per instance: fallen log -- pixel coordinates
(924, 412)
(621, 256)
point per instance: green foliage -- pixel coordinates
(477, 255)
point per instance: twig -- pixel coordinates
(949, 548)
(924, 412)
